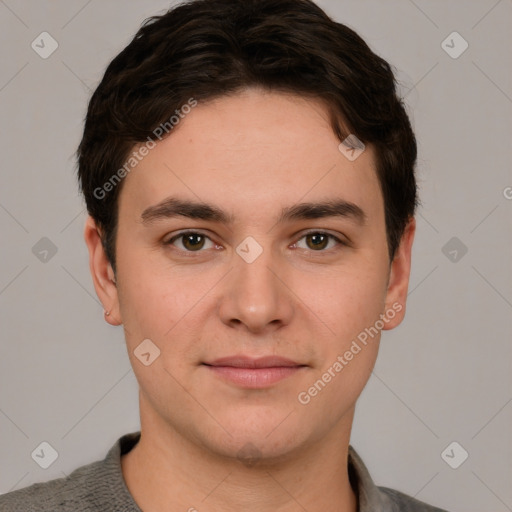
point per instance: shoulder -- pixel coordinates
(399, 502)
(95, 487)
(61, 494)
(383, 499)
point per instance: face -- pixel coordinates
(261, 270)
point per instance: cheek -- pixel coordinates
(350, 305)
(158, 308)
(145, 302)
(155, 306)
(169, 305)
(344, 301)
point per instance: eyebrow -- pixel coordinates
(172, 207)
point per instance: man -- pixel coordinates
(249, 174)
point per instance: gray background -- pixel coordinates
(444, 375)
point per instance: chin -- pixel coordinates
(261, 442)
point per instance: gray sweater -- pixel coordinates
(100, 487)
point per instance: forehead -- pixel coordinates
(253, 149)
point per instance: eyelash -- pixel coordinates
(329, 235)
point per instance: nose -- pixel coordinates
(255, 295)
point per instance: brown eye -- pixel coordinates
(193, 241)
(318, 241)
(190, 241)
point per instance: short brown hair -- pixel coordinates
(210, 48)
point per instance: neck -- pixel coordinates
(168, 472)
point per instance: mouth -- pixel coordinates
(255, 373)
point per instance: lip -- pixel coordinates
(255, 373)
(242, 361)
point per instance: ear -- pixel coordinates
(396, 295)
(102, 273)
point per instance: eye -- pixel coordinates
(318, 241)
(191, 241)
(194, 241)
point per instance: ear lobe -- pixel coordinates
(102, 273)
(396, 295)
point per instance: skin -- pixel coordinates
(251, 154)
